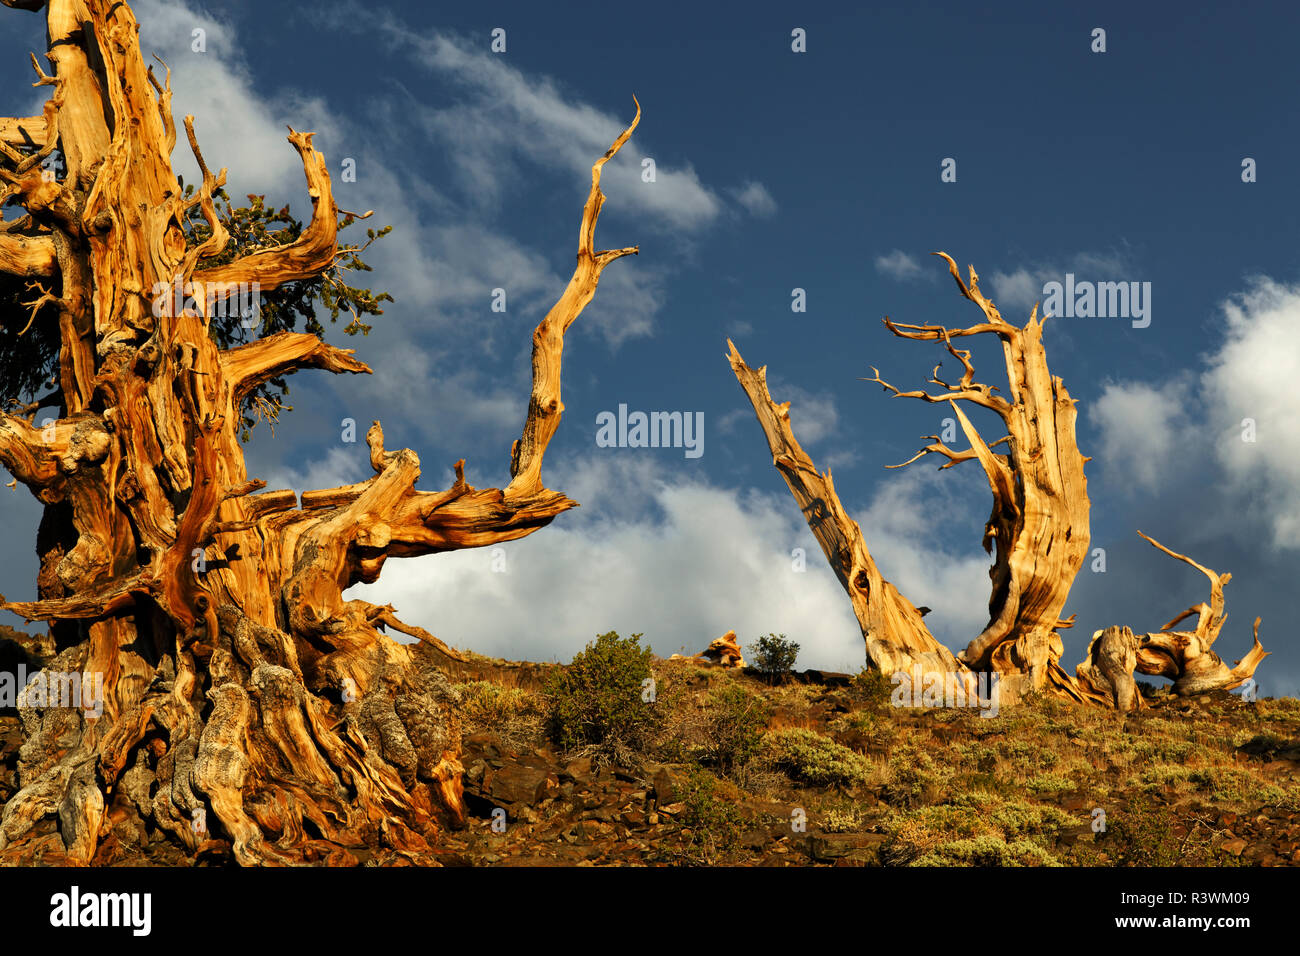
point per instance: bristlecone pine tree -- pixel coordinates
(248, 710)
(1037, 532)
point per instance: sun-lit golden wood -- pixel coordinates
(246, 702)
(1037, 532)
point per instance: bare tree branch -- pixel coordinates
(305, 257)
(544, 404)
(248, 366)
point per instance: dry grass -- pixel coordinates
(951, 787)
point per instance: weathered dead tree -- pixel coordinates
(1037, 532)
(1185, 657)
(248, 708)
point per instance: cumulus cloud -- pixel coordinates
(1230, 421)
(907, 527)
(1143, 428)
(681, 562)
(813, 415)
(684, 562)
(1245, 390)
(899, 265)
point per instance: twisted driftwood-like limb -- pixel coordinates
(1185, 657)
(724, 651)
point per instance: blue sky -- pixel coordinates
(778, 170)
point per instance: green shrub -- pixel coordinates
(774, 656)
(714, 822)
(735, 729)
(815, 759)
(1049, 783)
(862, 721)
(987, 851)
(1143, 835)
(913, 778)
(1018, 819)
(597, 701)
(872, 687)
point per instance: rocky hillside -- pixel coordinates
(838, 776)
(821, 769)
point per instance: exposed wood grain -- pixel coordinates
(1037, 532)
(251, 702)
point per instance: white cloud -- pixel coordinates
(682, 563)
(899, 265)
(726, 422)
(466, 262)
(1249, 377)
(509, 114)
(631, 294)
(436, 394)
(1014, 291)
(504, 116)
(440, 258)
(813, 415)
(342, 465)
(1143, 430)
(245, 130)
(838, 459)
(756, 199)
(909, 518)
(1150, 430)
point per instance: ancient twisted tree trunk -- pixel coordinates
(1038, 527)
(247, 707)
(1037, 532)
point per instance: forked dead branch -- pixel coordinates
(1037, 533)
(248, 707)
